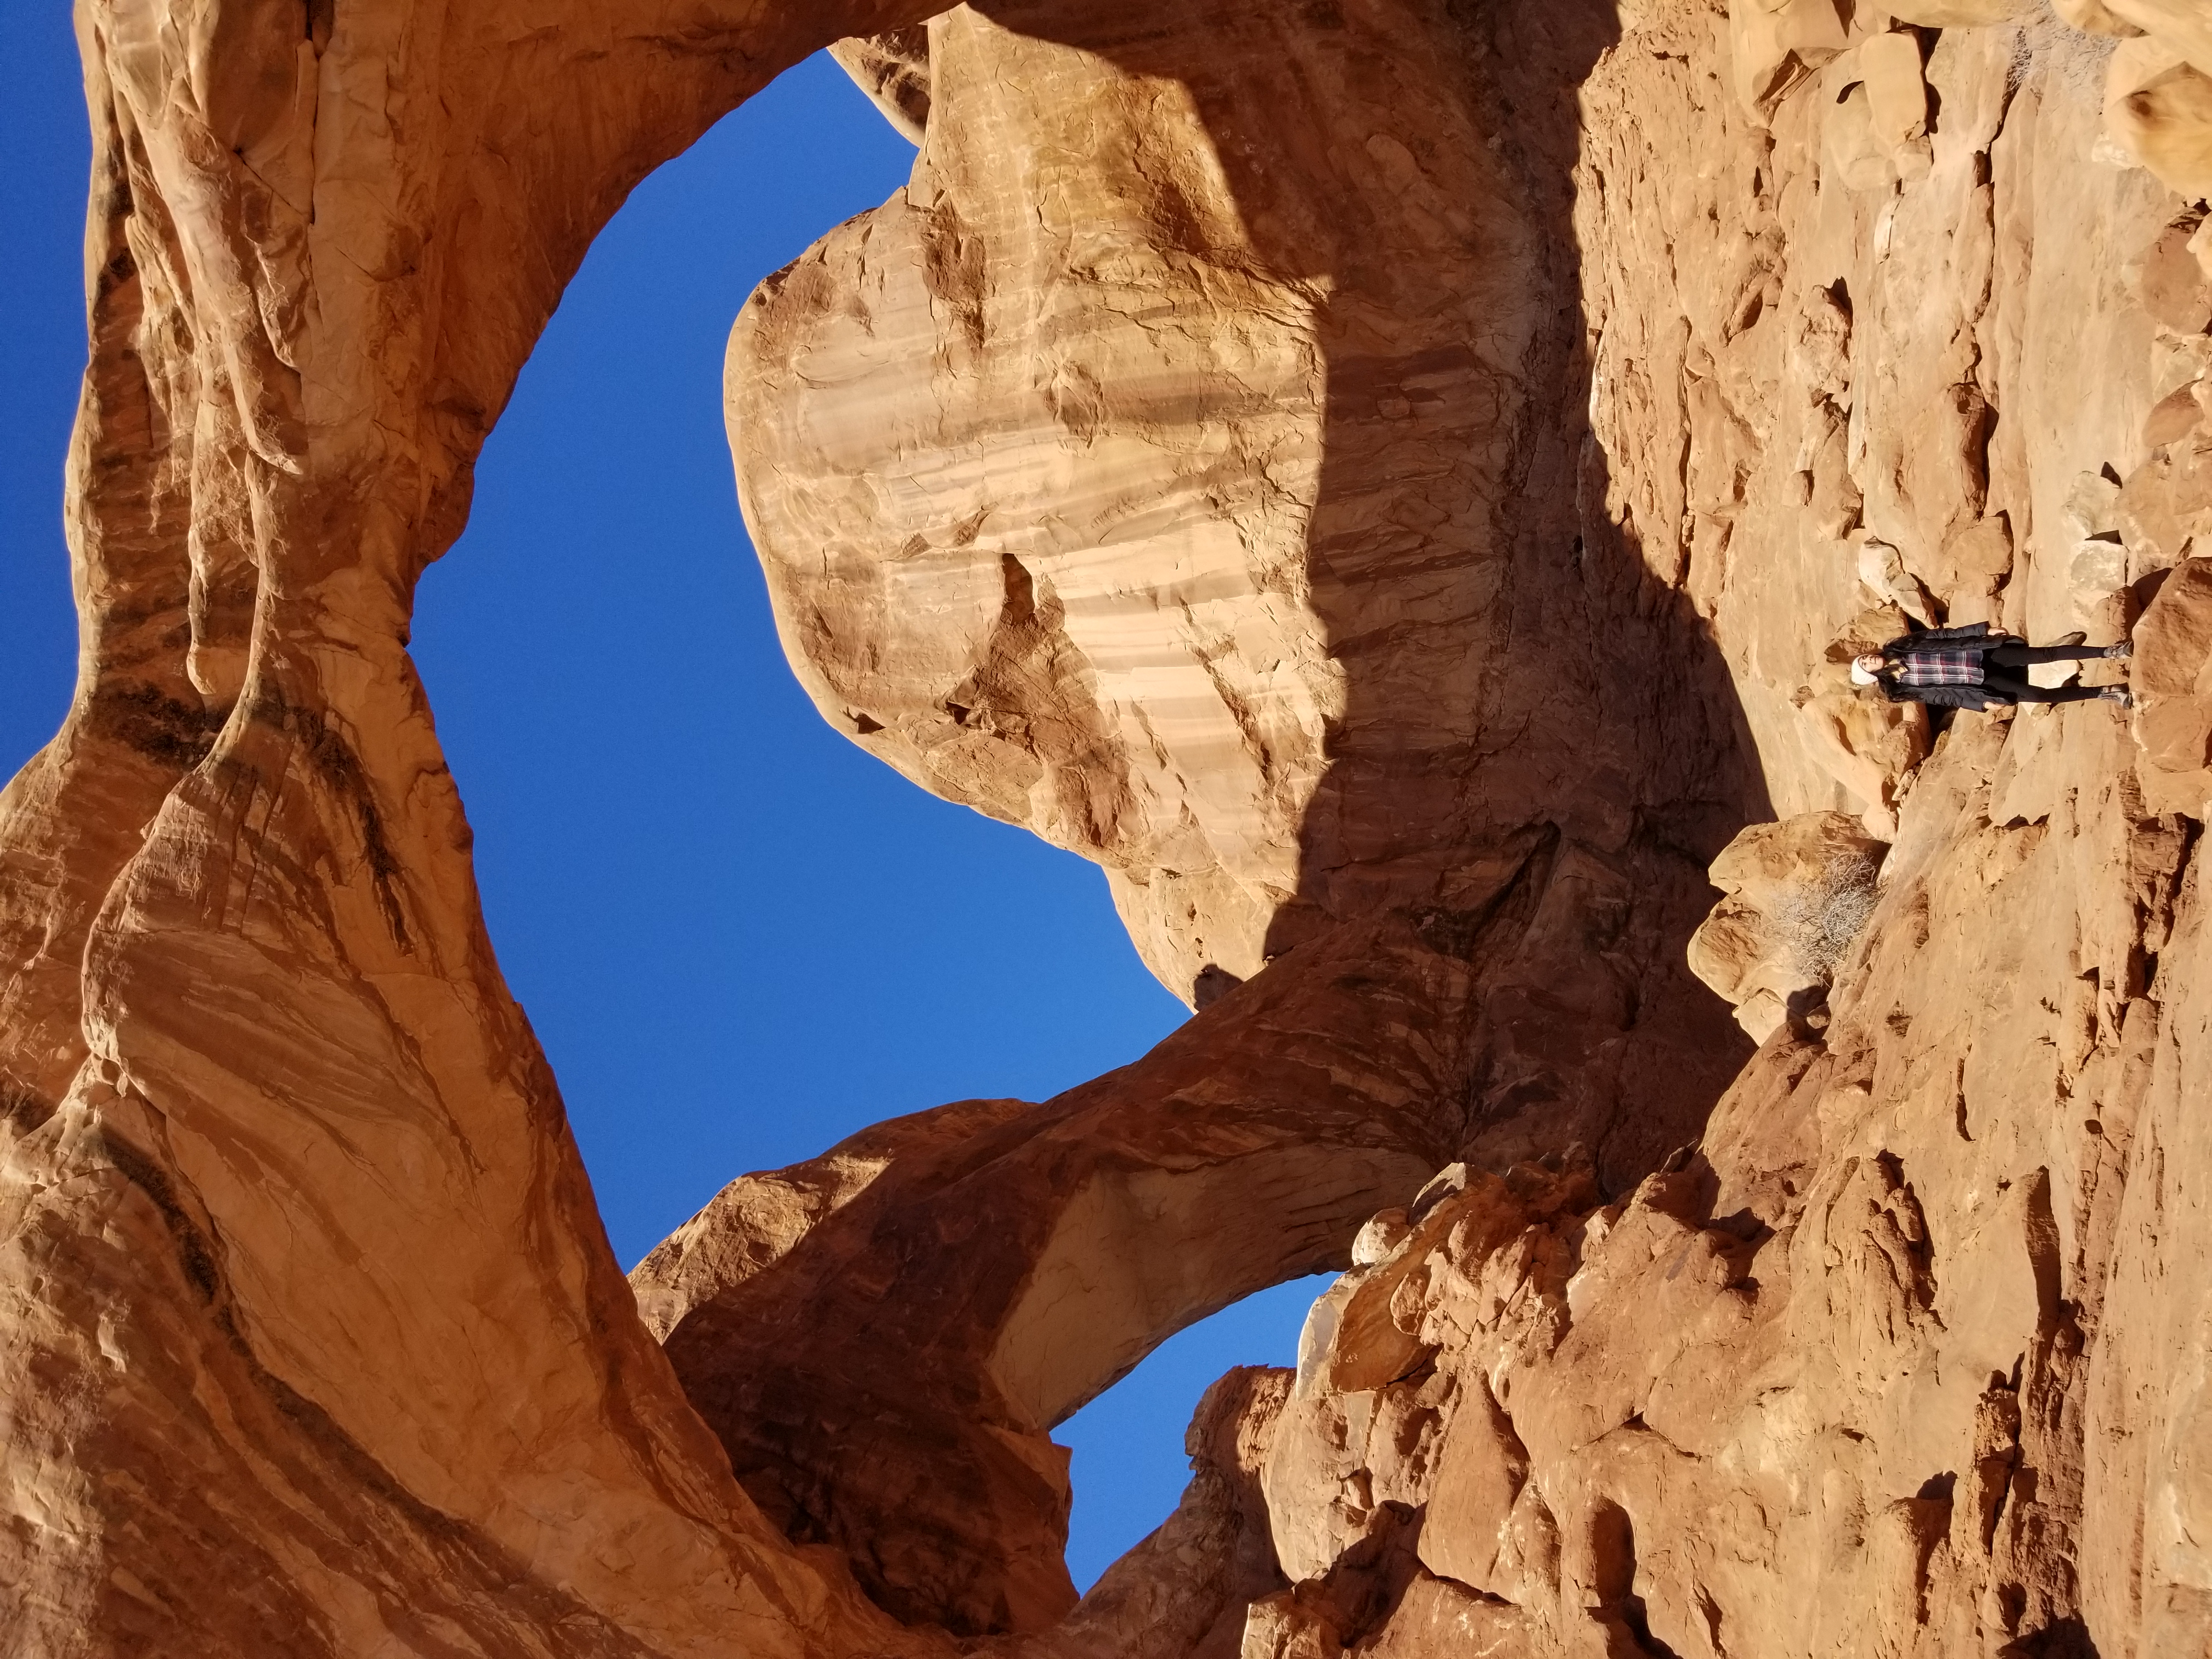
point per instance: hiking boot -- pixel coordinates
(2117, 694)
(2121, 652)
(2071, 639)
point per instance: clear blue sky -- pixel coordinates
(738, 937)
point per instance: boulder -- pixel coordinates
(2182, 25)
(2175, 290)
(2094, 17)
(1897, 96)
(2171, 671)
(1796, 894)
(1775, 44)
(2158, 108)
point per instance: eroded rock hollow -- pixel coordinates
(1396, 483)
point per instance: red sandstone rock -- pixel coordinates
(313, 1341)
(1798, 893)
(2174, 289)
(1386, 481)
(893, 70)
(1154, 625)
(2158, 106)
(1016, 1259)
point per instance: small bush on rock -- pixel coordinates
(1820, 919)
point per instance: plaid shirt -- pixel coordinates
(1940, 668)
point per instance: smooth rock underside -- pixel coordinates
(1396, 483)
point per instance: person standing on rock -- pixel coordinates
(1970, 667)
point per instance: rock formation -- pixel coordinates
(314, 1342)
(1395, 482)
(1797, 893)
(1018, 1259)
(1085, 489)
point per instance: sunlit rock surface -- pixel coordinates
(1394, 483)
(1178, 467)
(1882, 326)
(313, 1341)
(1016, 1259)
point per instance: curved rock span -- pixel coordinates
(1396, 483)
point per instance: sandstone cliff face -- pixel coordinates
(1394, 483)
(1873, 1370)
(1973, 1270)
(1828, 385)
(314, 1343)
(1176, 467)
(1846, 1380)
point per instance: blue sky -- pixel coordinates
(738, 937)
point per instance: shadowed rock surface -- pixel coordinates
(1396, 484)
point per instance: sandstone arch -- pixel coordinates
(256, 1044)
(324, 242)
(1072, 471)
(313, 1343)
(885, 1379)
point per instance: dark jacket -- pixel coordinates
(1969, 635)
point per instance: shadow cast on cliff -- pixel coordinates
(1535, 753)
(1538, 744)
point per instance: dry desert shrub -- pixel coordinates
(1818, 922)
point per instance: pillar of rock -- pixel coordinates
(313, 1342)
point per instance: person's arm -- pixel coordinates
(1942, 696)
(1964, 634)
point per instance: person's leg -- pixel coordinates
(2005, 685)
(2024, 656)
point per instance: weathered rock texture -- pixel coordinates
(1177, 467)
(313, 1341)
(1797, 893)
(1871, 324)
(1874, 1370)
(1396, 483)
(1017, 1259)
